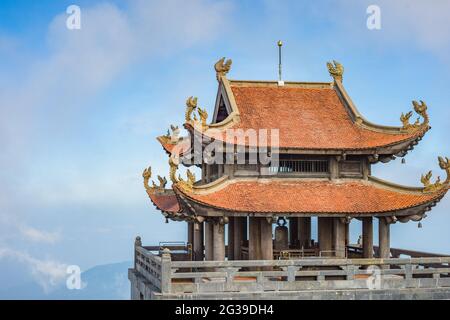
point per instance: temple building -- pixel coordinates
(274, 156)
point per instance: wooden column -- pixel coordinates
(367, 234)
(209, 240)
(190, 233)
(254, 241)
(231, 232)
(304, 231)
(198, 242)
(238, 236)
(244, 228)
(208, 173)
(219, 242)
(339, 238)
(266, 239)
(384, 238)
(347, 233)
(325, 235)
(293, 231)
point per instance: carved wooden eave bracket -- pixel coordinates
(222, 67)
(437, 186)
(336, 70)
(421, 110)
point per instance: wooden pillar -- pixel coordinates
(339, 238)
(266, 239)
(231, 232)
(238, 236)
(209, 240)
(198, 241)
(219, 242)
(367, 234)
(347, 234)
(190, 233)
(384, 238)
(208, 173)
(304, 231)
(254, 241)
(244, 228)
(325, 235)
(293, 232)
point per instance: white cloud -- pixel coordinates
(47, 273)
(83, 62)
(39, 236)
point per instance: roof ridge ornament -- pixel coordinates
(186, 185)
(191, 106)
(421, 110)
(147, 174)
(444, 164)
(222, 67)
(336, 70)
(171, 138)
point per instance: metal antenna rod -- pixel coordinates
(280, 44)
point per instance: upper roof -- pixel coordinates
(285, 196)
(308, 115)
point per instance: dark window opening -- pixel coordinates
(222, 113)
(292, 164)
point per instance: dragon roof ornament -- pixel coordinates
(336, 70)
(171, 137)
(186, 185)
(421, 109)
(147, 174)
(444, 164)
(191, 117)
(222, 67)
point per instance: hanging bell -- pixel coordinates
(419, 225)
(403, 160)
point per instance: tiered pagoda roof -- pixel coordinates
(317, 117)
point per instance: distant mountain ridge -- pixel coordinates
(102, 282)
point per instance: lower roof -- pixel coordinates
(310, 196)
(165, 202)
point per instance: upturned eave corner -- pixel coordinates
(438, 186)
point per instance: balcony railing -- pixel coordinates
(169, 277)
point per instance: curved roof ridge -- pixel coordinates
(395, 186)
(362, 121)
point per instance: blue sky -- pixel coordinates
(79, 110)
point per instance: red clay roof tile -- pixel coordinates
(352, 197)
(307, 118)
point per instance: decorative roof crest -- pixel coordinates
(188, 184)
(147, 174)
(222, 67)
(444, 164)
(336, 70)
(172, 137)
(191, 106)
(421, 110)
